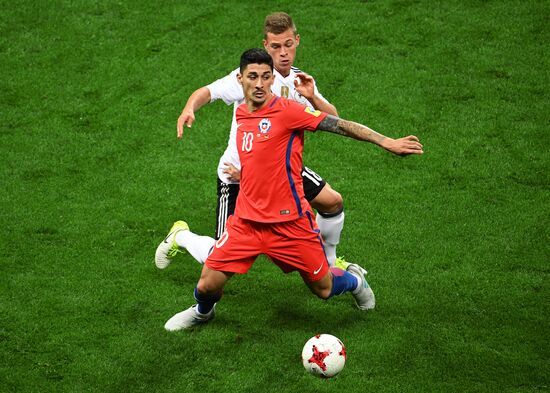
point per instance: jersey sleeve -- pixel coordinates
(318, 93)
(315, 89)
(227, 89)
(300, 117)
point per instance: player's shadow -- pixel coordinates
(313, 314)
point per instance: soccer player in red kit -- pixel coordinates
(272, 216)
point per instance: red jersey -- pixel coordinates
(270, 142)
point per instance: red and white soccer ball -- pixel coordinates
(324, 355)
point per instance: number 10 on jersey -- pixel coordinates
(248, 137)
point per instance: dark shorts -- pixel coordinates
(227, 197)
(313, 183)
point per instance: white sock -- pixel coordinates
(198, 246)
(359, 284)
(331, 228)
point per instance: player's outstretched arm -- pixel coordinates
(197, 100)
(402, 146)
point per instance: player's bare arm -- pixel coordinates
(402, 146)
(197, 100)
(305, 85)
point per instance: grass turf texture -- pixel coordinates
(456, 241)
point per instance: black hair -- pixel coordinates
(255, 56)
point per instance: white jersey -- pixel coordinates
(230, 91)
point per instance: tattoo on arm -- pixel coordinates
(350, 129)
(329, 123)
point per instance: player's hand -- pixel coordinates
(305, 85)
(186, 118)
(403, 146)
(233, 174)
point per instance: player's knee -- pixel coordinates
(205, 287)
(328, 201)
(321, 288)
(323, 293)
(336, 203)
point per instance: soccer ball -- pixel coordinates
(324, 355)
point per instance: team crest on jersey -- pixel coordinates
(264, 126)
(312, 111)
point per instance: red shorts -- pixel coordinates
(292, 245)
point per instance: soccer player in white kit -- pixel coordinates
(281, 41)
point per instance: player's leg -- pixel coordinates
(332, 283)
(234, 252)
(296, 245)
(179, 238)
(330, 210)
(227, 198)
(327, 282)
(330, 219)
(337, 282)
(207, 293)
(198, 246)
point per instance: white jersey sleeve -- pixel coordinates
(227, 89)
(230, 91)
(318, 93)
(315, 89)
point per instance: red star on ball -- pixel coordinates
(318, 358)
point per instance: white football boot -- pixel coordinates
(188, 319)
(364, 296)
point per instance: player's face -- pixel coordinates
(257, 80)
(282, 48)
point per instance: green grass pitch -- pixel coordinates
(456, 242)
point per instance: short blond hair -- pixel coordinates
(278, 23)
